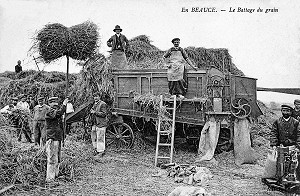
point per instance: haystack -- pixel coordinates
(35, 83)
(142, 54)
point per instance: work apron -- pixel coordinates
(176, 66)
(176, 74)
(118, 60)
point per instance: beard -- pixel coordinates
(286, 116)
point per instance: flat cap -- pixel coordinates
(175, 39)
(297, 101)
(15, 98)
(53, 99)
(286, 107)
(41, 98)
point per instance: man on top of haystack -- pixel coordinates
(18, 67)
(54, 136)
(118, 44)
(175, 58)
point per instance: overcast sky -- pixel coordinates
(263, 45)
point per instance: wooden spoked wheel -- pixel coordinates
(119, 135)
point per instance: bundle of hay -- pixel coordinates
(95, 79)
(55, 40)
(142, 54)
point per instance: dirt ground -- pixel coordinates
(129, 173)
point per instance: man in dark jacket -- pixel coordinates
(18, 67)
(118, 44)
(285, 138)
(285, 130)
(296, 111)
(54, 135)
(99, 112)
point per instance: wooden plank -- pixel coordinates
(181, 119)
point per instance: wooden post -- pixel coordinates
(36, 63)
(67, 92)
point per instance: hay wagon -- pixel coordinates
(210, 92)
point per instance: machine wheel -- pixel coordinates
(240, 108)
(120, 135)
(224, 141)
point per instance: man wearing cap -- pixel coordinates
(285, 138)
(22, 104)
(54, 136)
(39, 113)
(296, 110)
(175, 58)
(99, 124)
(285, 130)
(118, 44)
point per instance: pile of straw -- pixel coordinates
(95, 79)
(142, 54)
(37, 84)
(25, 165)
(55, 40)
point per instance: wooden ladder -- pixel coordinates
(166, 132)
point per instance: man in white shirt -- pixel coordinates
(7, 109)
(23, 105)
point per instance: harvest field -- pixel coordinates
(132, 172)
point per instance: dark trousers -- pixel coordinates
(39, 132)
(26, 132)
(179, 87)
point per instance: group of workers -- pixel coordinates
(175, 58)
(47, 126)
(47, 121)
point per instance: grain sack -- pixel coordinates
(270, 166)
(243, 151)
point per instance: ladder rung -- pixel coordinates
(164, 144)
(163, 157)
(166, 120)
(167, 108)
(165, 132)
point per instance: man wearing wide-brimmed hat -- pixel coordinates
(39, 122)
(54, 136)
(285, 139)
(176, 58)
(118, 44)
(99, 114)
(296, 111)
